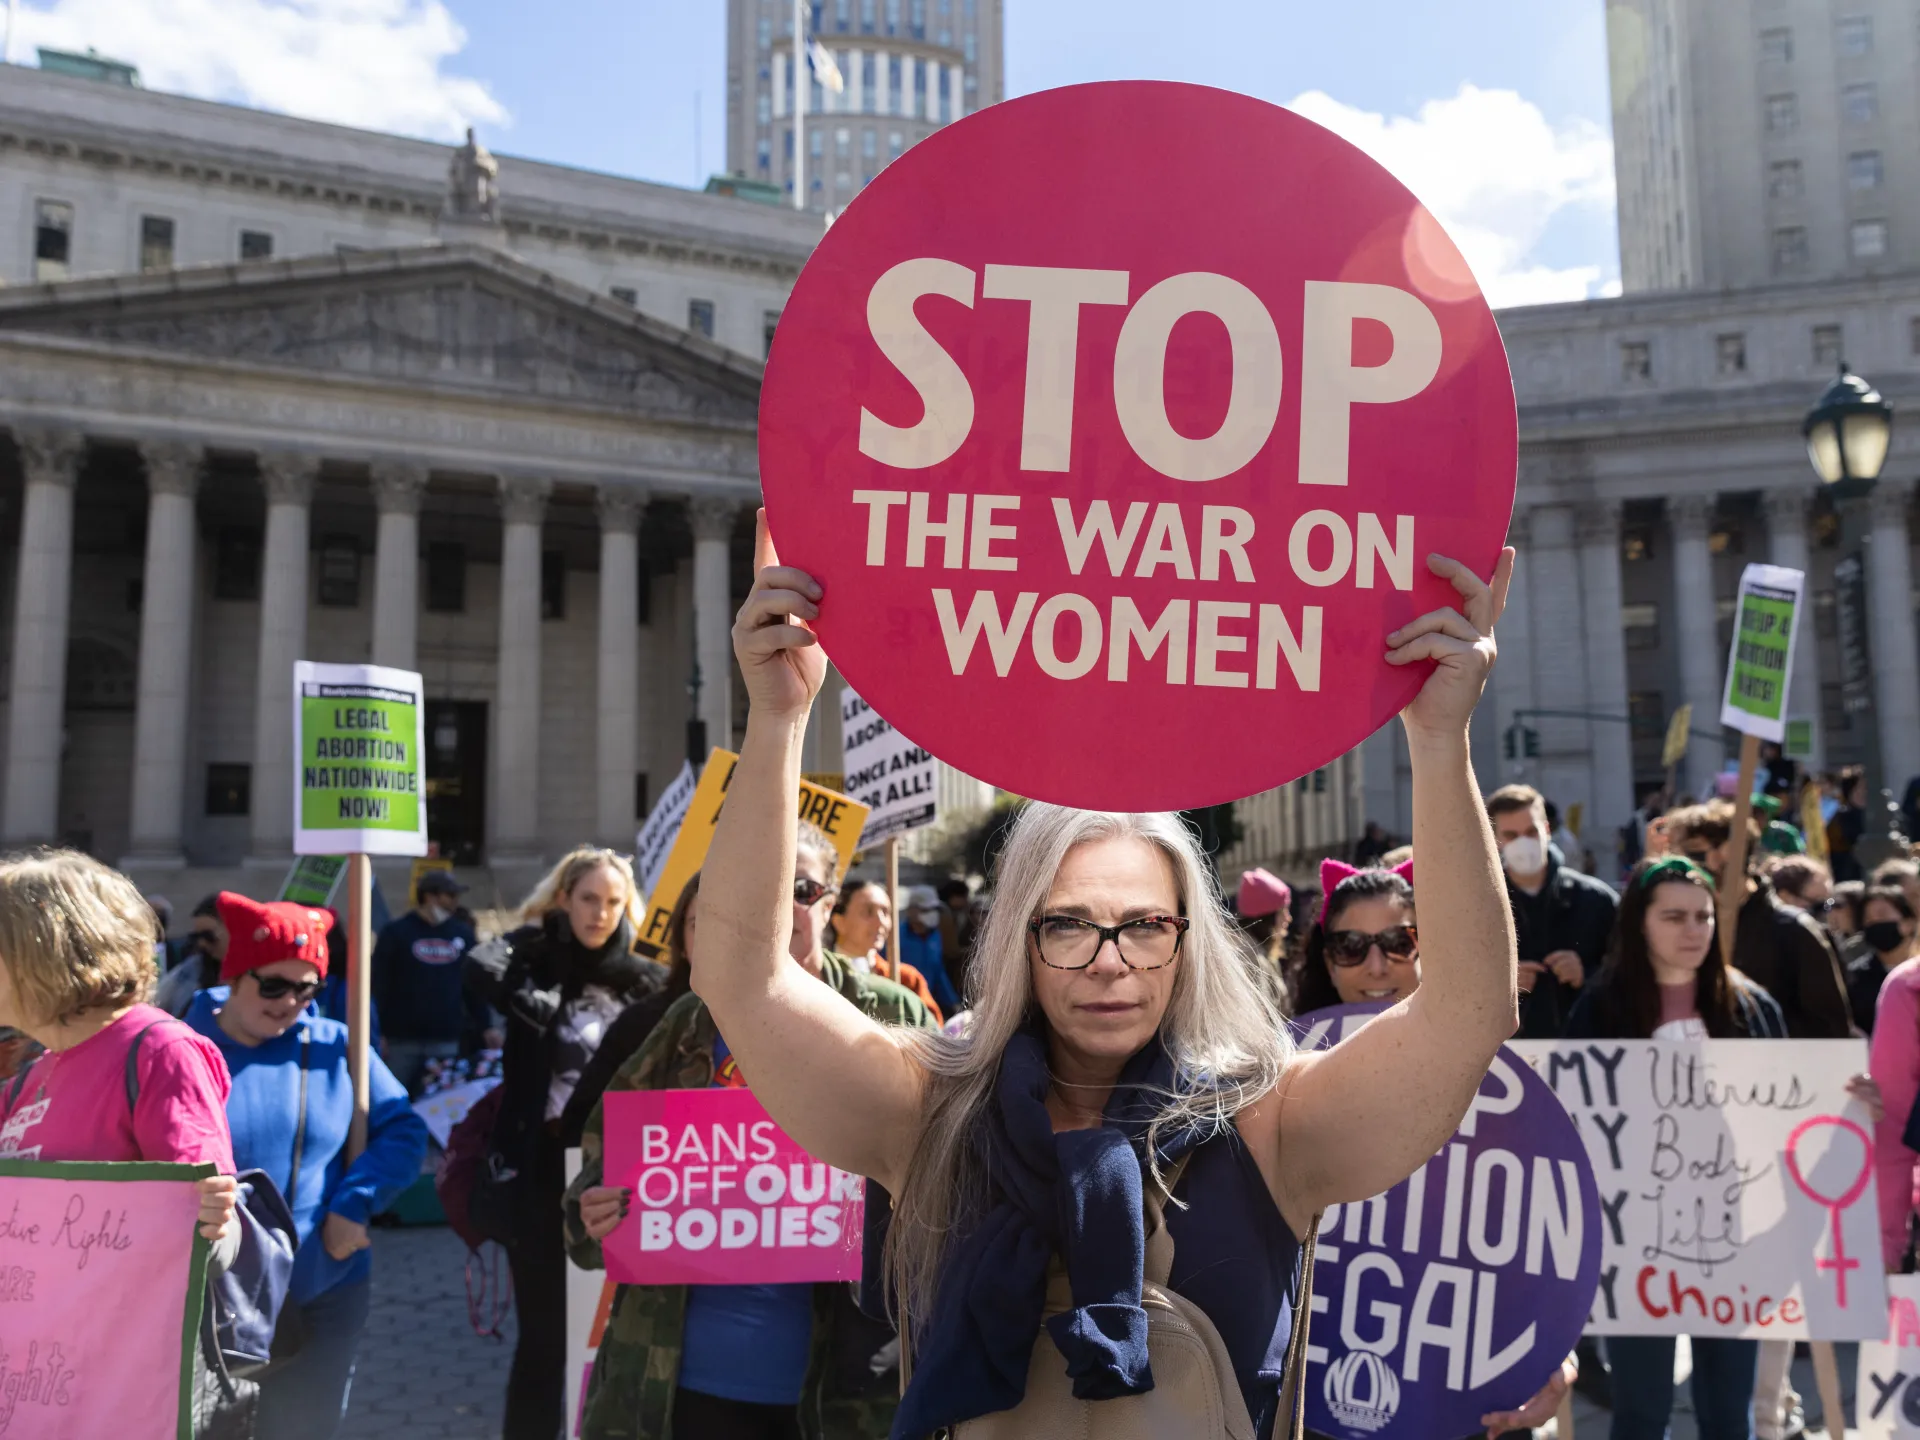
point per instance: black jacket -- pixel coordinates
(1594, 1018)
(1572, 912)
(1787, 953)
(529, 975)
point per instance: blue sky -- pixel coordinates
(1494, 111)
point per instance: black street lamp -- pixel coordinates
(1848, 432)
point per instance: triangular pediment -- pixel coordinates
(438, 317)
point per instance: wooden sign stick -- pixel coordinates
(1733, 875)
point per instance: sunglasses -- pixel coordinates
(1347, 948)
(808, 892)
(278, 987)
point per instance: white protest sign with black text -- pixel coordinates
(1887, 1390)
(1735, 1185)
(885, 771)
(655, 841)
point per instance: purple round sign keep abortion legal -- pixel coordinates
(1460, 1290)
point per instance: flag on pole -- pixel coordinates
(824, 68)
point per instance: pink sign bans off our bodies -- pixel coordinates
(722, 1195)
(100, 1293)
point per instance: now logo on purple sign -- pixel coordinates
(1460, 1290)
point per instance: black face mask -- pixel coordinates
(1883, 935)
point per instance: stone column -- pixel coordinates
(516, 828)
(398, 486)
(50, 466)
(618, 732)
(162, 711)
(1597, 528)
(288, 478)
(1786, 512)
(1696, 631)
(713, 517)
(1896, 665)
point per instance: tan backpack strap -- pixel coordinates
(1153, 1201)
(1293, 1389)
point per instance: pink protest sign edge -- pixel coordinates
(1152, 182)
(773, 1257)
(159, 1184)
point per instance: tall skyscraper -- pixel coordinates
(1763, 141)
(909, 66)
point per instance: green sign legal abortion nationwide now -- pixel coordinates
(359, 773)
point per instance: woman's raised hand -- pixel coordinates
(602, 1208)
(1459, 642)
(780, 658)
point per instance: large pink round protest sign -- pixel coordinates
(1117, 423)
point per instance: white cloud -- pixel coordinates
(1494, 172)
(376, 64)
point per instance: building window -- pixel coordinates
(229, 789)
(700, 317)
(256, 245)
(769, 320)
(340, 573)
(1790, 248)
(446, 577)
(625, 294)
(843, 142)
(1730, 354)
(895, 144)
(1864, 170)
(1642, 626)
(893, 85)
(236, 564)
(869, 75)
(1636, 360)
(817, 143)
(553, 585)
(52, 239)
(763, 108)
(1776, 46)
(1783, 180)
(1826, 346)
(893, 17)
(765, 32)
(1854, 35)
(869, 144)
(156, 242)
(1868, 239)
(866, 17)
(763, 157)
(1913, 335)
(1783, 114)
(1859, 104)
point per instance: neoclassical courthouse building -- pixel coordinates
(275, 389)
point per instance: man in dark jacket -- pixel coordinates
(1782, 949)
(417, 974)
(1562, 919)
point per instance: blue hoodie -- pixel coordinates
(262, 1111)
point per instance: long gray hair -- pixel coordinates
(1219, 1028)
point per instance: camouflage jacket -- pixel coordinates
(852, 1380)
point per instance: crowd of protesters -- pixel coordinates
(227, 1044)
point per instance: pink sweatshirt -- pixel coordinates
(1895, 1066)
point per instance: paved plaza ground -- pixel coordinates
(424, 1374)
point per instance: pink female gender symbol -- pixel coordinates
(1840, 1262)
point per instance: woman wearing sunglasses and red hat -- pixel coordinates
(289, 1112)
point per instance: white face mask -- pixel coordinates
(1524, 855)
(439, 912)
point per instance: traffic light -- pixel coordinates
(1533, 743)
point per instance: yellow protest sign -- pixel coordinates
(840, 818)
(1676, 745)
(1812, 824)
(422, 866)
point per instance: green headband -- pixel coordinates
(1675, 867)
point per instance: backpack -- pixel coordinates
(1195, 1395)
(478, 1208)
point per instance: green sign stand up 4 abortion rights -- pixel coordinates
(1761, 663)
(358, 790)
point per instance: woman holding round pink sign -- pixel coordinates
(1120, 1050)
